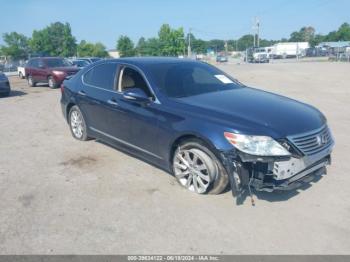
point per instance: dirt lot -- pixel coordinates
(61, 196)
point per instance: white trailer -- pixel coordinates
(288, 49)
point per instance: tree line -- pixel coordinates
(57, 40)
(54, 40)
(172, 42)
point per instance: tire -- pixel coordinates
(77, 124)
(31, 81)
(52, 83)
(205, 168)
(20, 75)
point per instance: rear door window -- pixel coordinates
(102, 76)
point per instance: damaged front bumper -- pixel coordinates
(281, 173)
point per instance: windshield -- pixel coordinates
(57, 62)
(190, 78)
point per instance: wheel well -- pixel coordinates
(69, 106)
(183, 138)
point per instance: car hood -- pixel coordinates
(65, 69)
(258, 112)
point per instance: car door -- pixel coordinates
(32, 69)
(100, 103)
(142, 118)
(41, 71)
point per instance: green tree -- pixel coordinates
(55, 40)
(141, 47)
(152, 47)
(245, 42)
(125, 46)
(89, 49)
(343, 33)
(305, 34)
(317, 39)
(198, 46)
(172, 42)
(16, 45)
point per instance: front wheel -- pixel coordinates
(31, 82)
(77, 124)
(52, 82)
(197, 168)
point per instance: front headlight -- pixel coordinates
(256, 145)
(58, 73)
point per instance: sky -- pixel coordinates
(105, 20)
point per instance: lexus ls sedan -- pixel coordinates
(198, 123)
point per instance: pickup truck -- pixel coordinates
(21, 71)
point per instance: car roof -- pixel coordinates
(47, 57)
(143, 61)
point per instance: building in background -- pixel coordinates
(113, 53)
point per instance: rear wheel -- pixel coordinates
(31, 81)
(77, 124)
(197, 168)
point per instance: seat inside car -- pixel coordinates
(127, 82)
(132, 79)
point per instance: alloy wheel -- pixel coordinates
(51, 82)
(76, 122)
(191, 168)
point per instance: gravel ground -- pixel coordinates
(62, 196)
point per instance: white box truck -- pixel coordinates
(288, 49)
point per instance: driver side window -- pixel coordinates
(130, 78)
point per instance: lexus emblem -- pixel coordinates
(322, 139)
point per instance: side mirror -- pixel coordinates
(41, 66)
(137, 95)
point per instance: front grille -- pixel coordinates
(313, 142)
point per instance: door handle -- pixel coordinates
(112, 102)
(82, 93)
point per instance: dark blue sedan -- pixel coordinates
(4, 85)
(199, 123)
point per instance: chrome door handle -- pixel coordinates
(82, 93)
(112, 102)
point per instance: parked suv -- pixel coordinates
(51, 70)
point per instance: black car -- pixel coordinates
(199, 123)
(221, 59)
(5, 88)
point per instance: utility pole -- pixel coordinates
(256, 32)
(189, 53)
(226, 48)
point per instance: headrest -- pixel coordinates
(127, 81)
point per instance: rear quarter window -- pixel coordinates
(102, 76)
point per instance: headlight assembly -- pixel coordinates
(256, 145)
